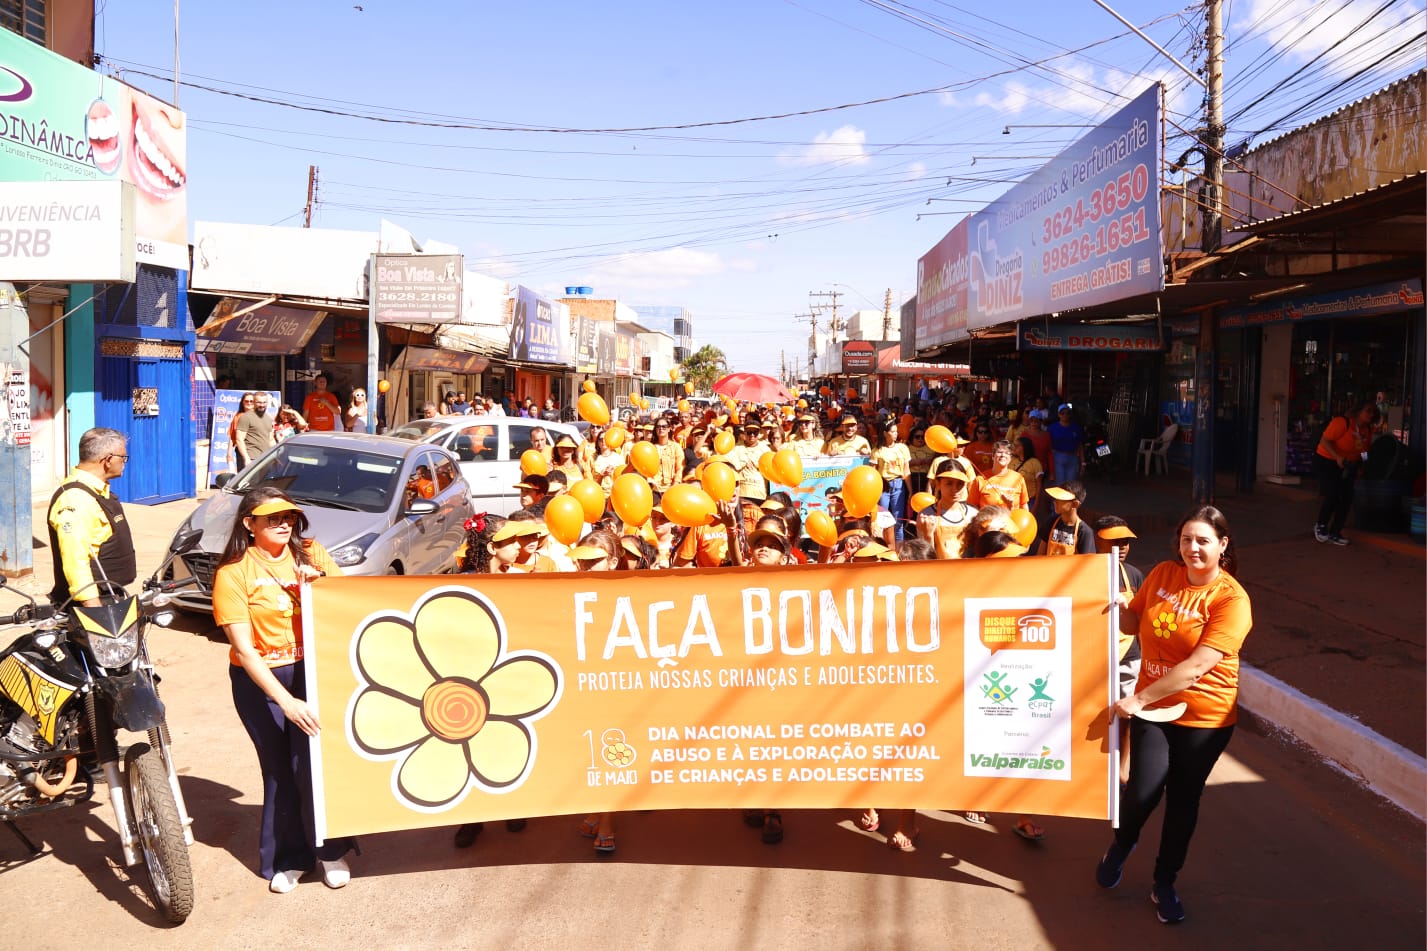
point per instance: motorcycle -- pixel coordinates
(66, 689)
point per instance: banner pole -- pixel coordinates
(1114, 728)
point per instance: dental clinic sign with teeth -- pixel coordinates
(60, 122)
(67, 231)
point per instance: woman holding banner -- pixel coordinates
(256, 602)
(1192, 618)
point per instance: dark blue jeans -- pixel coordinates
(287, 835)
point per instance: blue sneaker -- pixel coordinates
(1112, 866)
(1168, 907)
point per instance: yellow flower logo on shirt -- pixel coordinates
(441, 695)
(1165, 624)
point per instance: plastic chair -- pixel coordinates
(1155, 451)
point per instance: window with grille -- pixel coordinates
(25, 17)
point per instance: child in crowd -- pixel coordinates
(1067, 533)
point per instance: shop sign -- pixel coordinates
(417, 288)
(536, 331)
(60, 122)
(1356, 302)
(269, 330)
(587, 337)
(1116, 338)
(67, 231)
(1082, 230)
(859, 356)
(454, 361)
(608, 349)
(626, 352)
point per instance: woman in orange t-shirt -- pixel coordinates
(1340, 453)
(1192, 618)
(256, 596)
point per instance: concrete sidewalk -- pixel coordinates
(1339, 646)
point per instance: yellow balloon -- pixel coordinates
(564, 517)
(765, 466)
(673, 375)
(683, 406)
(821, 529)
(940, 439)
(632, 498)
(1025, 525)
(644, 456)
(723, 443)
(589, 386)
(533, 463)
(802, 404)
(861, 488)
(614, 436)
(689, 388)
(719, 481)
(788, 467)
(592, 409)
(591, 498)
(689, 505)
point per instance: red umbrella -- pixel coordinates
(752, 388)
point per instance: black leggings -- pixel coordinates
(1335, 487)
(1173, 761)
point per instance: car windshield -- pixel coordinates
(328, 476)
(417, 429)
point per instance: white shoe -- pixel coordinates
(284, 882)
(336, 873)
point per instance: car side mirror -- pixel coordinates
(224, 478)
(421, 507)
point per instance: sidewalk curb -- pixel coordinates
(1389, 769)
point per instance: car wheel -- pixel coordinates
(394, 568)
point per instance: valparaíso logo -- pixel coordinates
(1017, 760)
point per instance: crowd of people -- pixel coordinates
(975, 498)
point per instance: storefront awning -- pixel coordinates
(453, 361)
(890, 363)
(261, 328)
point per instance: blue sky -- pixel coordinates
(737, 222)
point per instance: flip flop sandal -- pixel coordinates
(869, 820)
(977, 817)
(1028, 830)
(902, 842)
(589, 828)
(604, 844)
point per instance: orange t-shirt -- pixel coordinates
(1008, 489)
(321, 411)
(707, 545)
(261, 593)
(1176, 617)
(1350, 440)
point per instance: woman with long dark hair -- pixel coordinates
(256, 600)
(1191, 617)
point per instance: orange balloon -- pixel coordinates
(683, 406)
(719, 481)
(723, 443)
(922, 500)
(788, 411)
(825, 391)
(787, 467)
(673, 374)
(940, 439)
(614, 436)
(591, 498)
(851, 394)
(644, 456)
(564, 517)
(861, 488)
(765, 466)
(821, 529)
(802, 404)
(589, 386)
(592, 409)
(533, 463)
(686, 504)
(1025, 527)
(632, 498)
(383, 386)
(689, 388)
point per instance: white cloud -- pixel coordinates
(915, 172)
(647, 271)
(1011, 102)
(1305, 30)
(841, 146)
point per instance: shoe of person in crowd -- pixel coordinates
(284, 881)
(1168, 907)
(336, 873)
(1112, 865)
(1338, 540)
(1320, 534)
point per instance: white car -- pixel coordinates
(488, 449)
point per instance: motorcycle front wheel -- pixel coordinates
(160, 832)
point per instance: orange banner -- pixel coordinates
(479, 697)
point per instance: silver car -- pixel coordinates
(489, 450)
(380, 506)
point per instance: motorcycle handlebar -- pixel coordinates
(28, 614)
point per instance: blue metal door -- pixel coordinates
(147, 399)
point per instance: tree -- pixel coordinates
(704, 366)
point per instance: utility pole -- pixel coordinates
(812, 319)
(1206, 365)
(836, 325)
(887, 315)
(311, 195)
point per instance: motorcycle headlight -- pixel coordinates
(115, 651)
(353, 553)
(163, 618)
